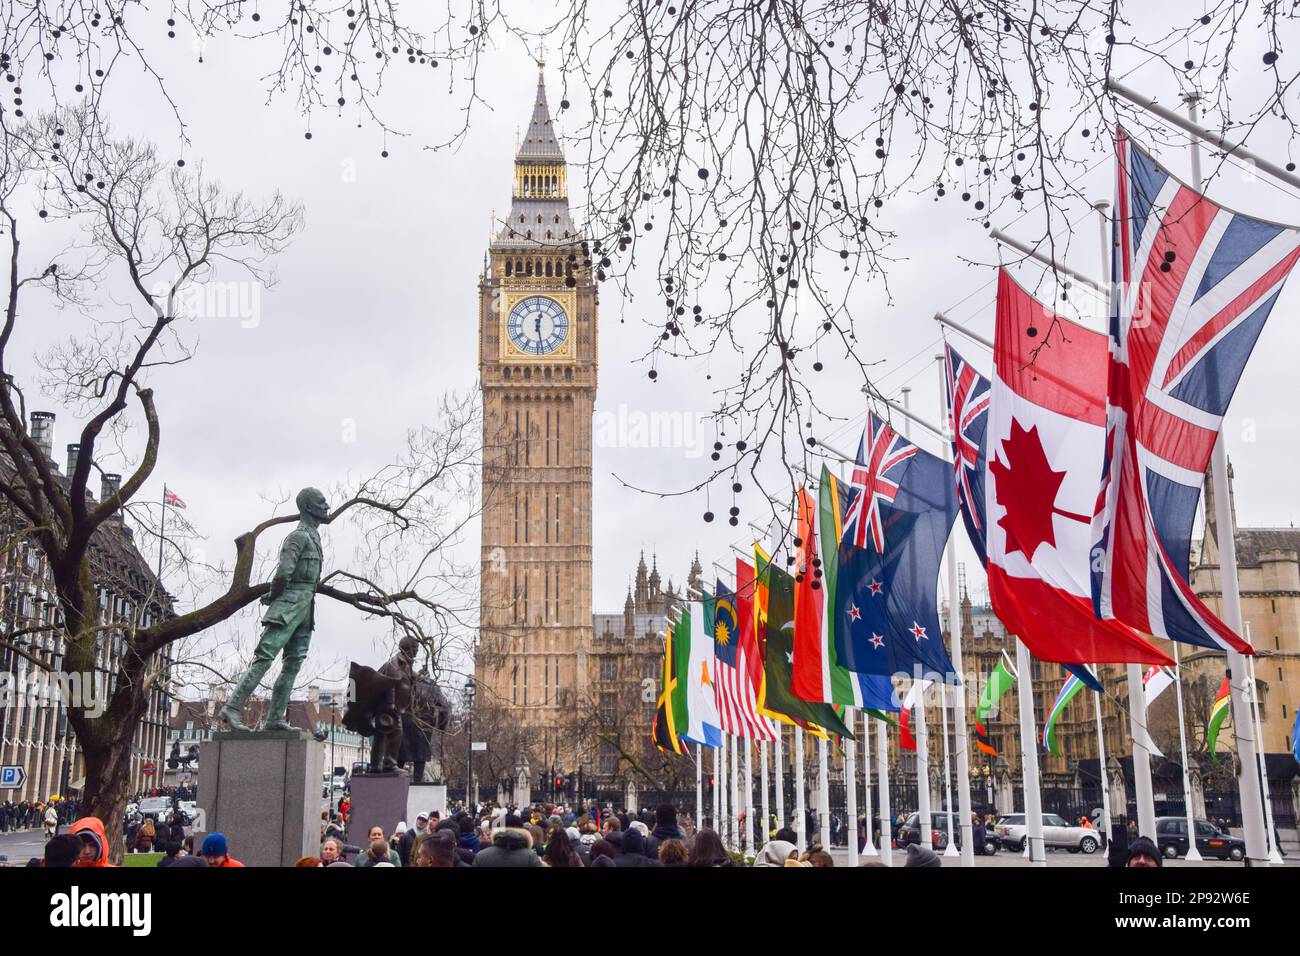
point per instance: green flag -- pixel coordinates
(776, 699)
(999, 682)
(1218, 714)
(664, 731)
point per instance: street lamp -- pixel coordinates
(469, 724)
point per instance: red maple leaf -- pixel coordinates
(1027, 487)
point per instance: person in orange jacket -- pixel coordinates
(94, 843)
(217, 852)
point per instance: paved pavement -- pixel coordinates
(1054, 858)
(21, 845)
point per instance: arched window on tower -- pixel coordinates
(509, 268)
(548, 261)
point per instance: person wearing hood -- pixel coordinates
(1143, 853)
(468, 839)
(94, 844)
(586, 841)
(634, 851)
(666, 828)
(602, 853)
(921, 856)
(511, 846)
(775, 853)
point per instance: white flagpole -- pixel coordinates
(869, 846)
(717, 790)
(851, 784)
(1137, 712)
(724, 816)
(750, 845)
(699, 788)
(800, 805)
(1029, 758)
(823, 794)
(1193, 854)
(960, 742)
(767, 806)
(882, 773)
(778, 773)
(1252, 813)
(923, 771)
(733, 804)
(1274, 857)
(947, 773)
(1101, 765)
(922, 737)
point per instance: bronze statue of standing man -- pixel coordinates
(289, 618)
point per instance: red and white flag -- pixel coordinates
(171, 498)
(1045, 438)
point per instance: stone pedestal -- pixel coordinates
(262, 790)
(378, 799)
(1118, 789)
(1004, 795)
(523, 790)
(1198, 787)
(425, 798)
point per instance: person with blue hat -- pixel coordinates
(217, 851)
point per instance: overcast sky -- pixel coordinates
(375, 314)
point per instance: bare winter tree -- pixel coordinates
(750, 152)
(160, 230)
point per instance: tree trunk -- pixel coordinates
(107, 752)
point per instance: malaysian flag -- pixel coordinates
(736, 696)
(1194, 284)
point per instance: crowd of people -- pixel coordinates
(542, 835)
(34, 814)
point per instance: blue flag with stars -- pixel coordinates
(903, 505)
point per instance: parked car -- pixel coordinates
(1057, 834)
(910, 831)
(155, 808)
(939, 825)
(1171, 837)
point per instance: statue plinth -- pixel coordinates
(378, 799)
(263, 791)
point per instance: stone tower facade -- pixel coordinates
(537, 369)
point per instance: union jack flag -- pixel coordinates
(968, 406)
(875, 479)
(1194, 284)
(171, 498)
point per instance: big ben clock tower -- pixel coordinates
(537, 369)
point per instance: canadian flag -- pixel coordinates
(1045, 439)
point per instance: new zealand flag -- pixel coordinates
(886, 596)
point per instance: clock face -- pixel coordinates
(538, 325)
